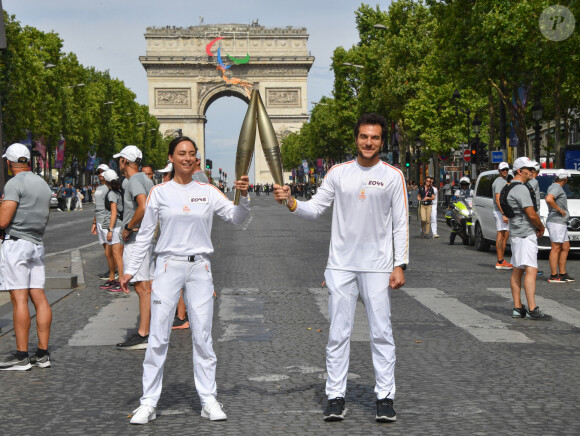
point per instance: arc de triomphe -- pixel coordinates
(184, 79)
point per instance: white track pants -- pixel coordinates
(344, 288)
(195, 279)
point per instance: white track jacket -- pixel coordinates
(185, 215)
(370, 219)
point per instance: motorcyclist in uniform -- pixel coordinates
(464, 191)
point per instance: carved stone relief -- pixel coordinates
(173, 97)
(289, 97)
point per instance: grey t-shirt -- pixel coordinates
(562, 202)
(536, 186)
(496, 188)
(137, 184)
(519, 198)
(199, 176)
(100, 211)
(33, 197)
(114, 197)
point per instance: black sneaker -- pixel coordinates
(41, 362)
(12, 363)
(385, 411)
(334, 410)
(537, 315)
(104, 276)
(566, 277)
(135, 342)
(519, 312)
(556, 278)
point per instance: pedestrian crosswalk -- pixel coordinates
(481, 326)
(242, 316)
(558, 311)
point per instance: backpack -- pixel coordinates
(108, 205)
(505, 207)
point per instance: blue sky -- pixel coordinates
(108, 34)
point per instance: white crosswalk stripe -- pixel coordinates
(241, 313)
(360, 329)
(110, 325)
(481, 326)
(558, 311)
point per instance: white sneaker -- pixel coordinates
(213, 411)
(435, 235)
(143, 414)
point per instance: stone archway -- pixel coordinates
(184, 80)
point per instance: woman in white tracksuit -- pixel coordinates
(184, 210)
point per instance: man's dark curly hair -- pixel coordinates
(373, 119)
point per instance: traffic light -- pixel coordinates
(208, 164)
(407, 159)
(483, 156)
(474, 155)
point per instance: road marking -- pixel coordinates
(110, 325)
(241, 313)
(558, 311)
(360, 328)
(72, 249)
(481, 326)
(76, 268)
(248, 223)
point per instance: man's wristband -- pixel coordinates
(293, 208)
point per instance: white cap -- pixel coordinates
(523, 162)
(130, 152)
(167, 169)
(537, 166)
(464, 180)
(103, 167)
(16, 151)
(562, 174)
(503, 166)
(110, 175)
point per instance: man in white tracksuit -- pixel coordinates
(369, 220)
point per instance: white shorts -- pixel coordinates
(116, 236)
(499, 224)
(558, 232)
(143, 274)
(524, 252)
(21, 265)
(102, 234)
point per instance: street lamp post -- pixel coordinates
(467, 112)
(476, 128)
(537, 112)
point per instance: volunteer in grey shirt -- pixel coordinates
(100, 212)
(137, 186)
(112, 225)
(24, 211)
(525, 229)
(557, 224)
(198, 174)
(501, 221)
(97, 228)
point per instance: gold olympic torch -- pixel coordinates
(246, 142)
(269, 143)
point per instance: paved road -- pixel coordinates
(464, 365)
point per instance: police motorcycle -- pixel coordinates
(459, 217)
